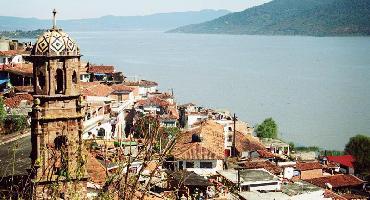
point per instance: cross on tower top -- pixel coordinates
(54, 18)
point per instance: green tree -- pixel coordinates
(268, 129)
(291, 146)
(359, 147)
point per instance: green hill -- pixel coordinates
(160, 21)
(292, 17)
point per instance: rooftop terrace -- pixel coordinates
(248, 176)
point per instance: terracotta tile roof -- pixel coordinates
(101, 69)
(173, 112)
(23, 69)
(95, 170)
(121, 87)
(9, 53)
(13, 102)
(196, 151)
(332, 195)
(143, 83)
(303, 166)
(95, 89)
(164, 95)
(337, 181)
(349, 196)
(247, 143)
(153, 101)
(265, 154)
(213, 140)
(168, 117)
(346, 160)
(331, 165)
(267, 165)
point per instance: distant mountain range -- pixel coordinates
(163, 21)
(292, 17)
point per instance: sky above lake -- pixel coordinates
(77, 9)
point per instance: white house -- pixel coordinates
(203, 149)
(10, 57)
(145, 87)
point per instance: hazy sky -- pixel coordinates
(74, 9)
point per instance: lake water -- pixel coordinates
(317, 89)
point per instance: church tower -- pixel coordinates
(58, 160)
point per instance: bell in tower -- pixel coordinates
(58, 159)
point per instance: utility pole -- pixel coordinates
(234, 134)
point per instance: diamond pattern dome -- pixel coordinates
(55, 42)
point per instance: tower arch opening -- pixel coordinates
(74, 77)
(59, 81)
(41, 80)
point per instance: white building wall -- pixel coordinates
(120, 126)
(288, 172)
(216, 166)
(192, 119)
(94, 131)
(274, 185)
(17, 59)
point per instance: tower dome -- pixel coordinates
(55, 42)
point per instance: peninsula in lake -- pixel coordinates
(292, 17)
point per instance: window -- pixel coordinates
(207, 165)
(59, 81)
(189, 165)
(229, 138)
(120, 97)
(180, 165)
(61, 155)
(101, 132)
(60, 141)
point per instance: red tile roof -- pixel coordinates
(267, 165)
(122, 87)
(95, 170)
(303, 166)
(265, 154)
(337, 181)
(101, 69)
(332, 195)
(213, 140)
(153, 101)
(196, 151)
(13, 102)
(349, 196)
(95, 89)
(23, 69)
(346, 160)
(143, 83)
(247, 143)
(9, 53)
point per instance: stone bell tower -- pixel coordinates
(58, 160)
